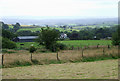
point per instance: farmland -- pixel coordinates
(83, 43)
(75, 43)
(95, 64)
(74, 28)
(107, 69)
(89, 58)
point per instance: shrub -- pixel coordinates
(116, 37)
(6, 43)
(32, 49)
(61, 46)
(57, 46)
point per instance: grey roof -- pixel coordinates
(27, 37)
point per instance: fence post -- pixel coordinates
(2, 60)
(108, 46)
(31, 56)
(103, 51)
(82, 52)
(58, 57)
(97, 45)
(72, 47)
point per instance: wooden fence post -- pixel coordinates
(108, 46)
(58, 57)
(97, 45)
(31, 56)
(2, 60)
(82, 52)
(103, 51)
(72, 47)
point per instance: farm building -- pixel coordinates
(25, 38)
(32, 38)
(63, 36)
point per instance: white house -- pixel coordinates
(63, 36)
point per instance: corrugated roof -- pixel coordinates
(27, 37)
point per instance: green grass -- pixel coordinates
(31, 29)
(10, 26)
(82, 43)
(75, 43)
(38, 29)
(27, 44)
(98, 58)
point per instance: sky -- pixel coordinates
(59, 8)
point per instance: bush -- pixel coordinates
(55, 47)
(116, 37)
(61, 46)
(32, 49)
(6, 43)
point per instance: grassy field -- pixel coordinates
(83, 43)
(27, 44)
(107, 69)
(31, 29)
(75, 43)
(38, 29)
(23, 56)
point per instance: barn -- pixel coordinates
(25, 38)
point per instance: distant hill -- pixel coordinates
(59, 21)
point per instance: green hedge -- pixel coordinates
(6, 43)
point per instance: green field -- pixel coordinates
(75, 43)
(82, 43)
(31, 29)
(38, 29)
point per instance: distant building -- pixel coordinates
(63, 36)
(25, 38)
(108, 38)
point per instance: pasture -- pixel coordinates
(82, 43)
(69, 43)
(34, 29)
(90, 63)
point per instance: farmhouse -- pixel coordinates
(63, 36)
(25, 38)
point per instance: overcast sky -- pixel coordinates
(64, 8)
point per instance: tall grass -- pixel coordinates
(22, 58)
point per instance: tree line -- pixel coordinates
(92, 33)
(48, 36)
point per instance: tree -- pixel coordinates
(6, 43)
(116, 37)
(4, 26)
(16, 26)
(32, 50)
(48, 37)
(8, 34)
